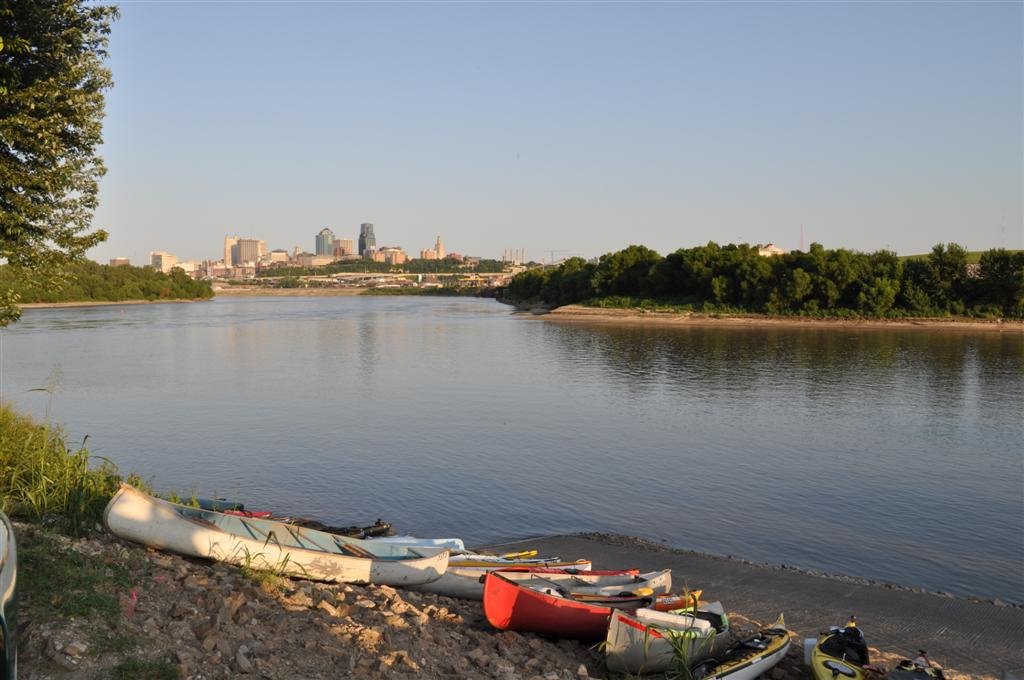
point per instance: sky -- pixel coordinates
(564, 128)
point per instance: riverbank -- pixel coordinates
(104, 608)
(104, 303)
(581, 313)
(257, 291)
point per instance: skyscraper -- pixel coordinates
(229, 244)
(325, 242)
(367, 241)
(439, 249)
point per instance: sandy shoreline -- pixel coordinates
(581, 314)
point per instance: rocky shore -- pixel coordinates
(170, 617)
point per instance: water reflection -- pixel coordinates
(891, 454)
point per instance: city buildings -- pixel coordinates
(367, 241)
(162, 261)
(325, 242)
(769, 249)
(119, 262)
(392, 255)
(435, 253)
(343, 247)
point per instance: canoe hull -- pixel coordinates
(141, 518)
(510, 605)
(634, 647)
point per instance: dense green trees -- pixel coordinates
(818, 282)
(52, 81)
(88, 281)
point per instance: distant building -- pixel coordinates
(769, 250)
(119, 262)
(311, 260)
(246, 251)
(367, 241)
(229, 244)
(392, 255)
(325, 242)
(435, 253)
(344, 246)
(278, 255)
(161, 261)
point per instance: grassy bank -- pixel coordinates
(44, 478)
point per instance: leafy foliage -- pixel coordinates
(52, 81)
(88, 281)
(42, 477)
(819, 282)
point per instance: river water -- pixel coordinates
(895, 455)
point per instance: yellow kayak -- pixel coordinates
(841, 653)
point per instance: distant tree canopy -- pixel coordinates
(52, 81)
(88, 281)
(819, 282)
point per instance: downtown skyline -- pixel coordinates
(870, 126)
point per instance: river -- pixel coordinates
(894, 454)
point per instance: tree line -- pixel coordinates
(88, 281)
(818, 282)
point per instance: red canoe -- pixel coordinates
(510, 606)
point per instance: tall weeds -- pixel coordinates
(42, 478)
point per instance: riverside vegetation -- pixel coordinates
(88, 281)
(735, 279)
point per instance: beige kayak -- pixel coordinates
(265, 544)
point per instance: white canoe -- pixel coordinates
(454, 544)
(466, 582)
(647, 641)
(266, 544)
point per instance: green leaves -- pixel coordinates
(52, 78)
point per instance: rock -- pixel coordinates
(180, 609)
(209, 642)
(75, 649)
(396, 621)
(778, 674)
(999, 603)
(327, 607)
(195, 582)
(202, 628)
(242, 662)
(582, 671)
(365, 603)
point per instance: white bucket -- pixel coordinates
(809, 644)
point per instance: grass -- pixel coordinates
(42, 477)
(137, 669)
(57, 582)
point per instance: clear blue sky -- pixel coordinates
(577, 127)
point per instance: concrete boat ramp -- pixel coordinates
(979, 638)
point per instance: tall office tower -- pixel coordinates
(262, 248)
(245, 250)
(439, 249)
(325, 242)
(229, 244)
(367, 241)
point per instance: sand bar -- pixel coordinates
(599, 315)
